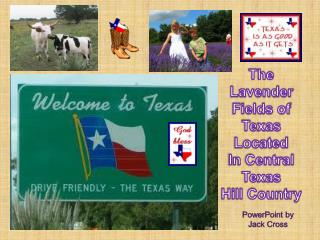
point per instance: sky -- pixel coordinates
(32, 11)
(200, 80)
(157, 17)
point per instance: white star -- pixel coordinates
(97, 139)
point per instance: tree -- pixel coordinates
(203, 27)
(76, 12)
(153, 36)
(152, 216)
(98, 214)
(215, 26)
(186, 38)
(161, 36)
(165, 29)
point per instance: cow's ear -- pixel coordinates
(38, 29)
(51, 27)
(52, 37)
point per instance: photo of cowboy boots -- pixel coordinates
(116, 45)
(125, 42)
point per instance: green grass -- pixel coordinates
(22, 48)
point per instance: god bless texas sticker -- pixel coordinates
(182, 147)
(270, 37)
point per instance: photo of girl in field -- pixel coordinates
(199, 42)
(177, 48)
(53, 37)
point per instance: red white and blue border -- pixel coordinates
(195, 144)
(244, 58)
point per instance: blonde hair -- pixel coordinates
(173, 23)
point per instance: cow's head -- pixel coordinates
(46, 29)
(58, 42)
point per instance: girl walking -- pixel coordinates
(177, 49)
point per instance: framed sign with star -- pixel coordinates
(271, 37)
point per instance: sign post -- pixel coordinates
(113, 143)
(175, 217)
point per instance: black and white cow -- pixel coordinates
(65, 44)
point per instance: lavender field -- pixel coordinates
(219, 57)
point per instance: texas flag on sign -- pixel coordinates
(183, 153)
(104, 144)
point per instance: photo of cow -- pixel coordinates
(54, 37)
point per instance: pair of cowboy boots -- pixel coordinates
(120, 43)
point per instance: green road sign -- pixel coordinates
(113, 143)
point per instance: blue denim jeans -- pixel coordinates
(204, 63)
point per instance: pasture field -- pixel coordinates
(219, 58)
(22, 48)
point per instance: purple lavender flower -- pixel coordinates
(219, 60)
